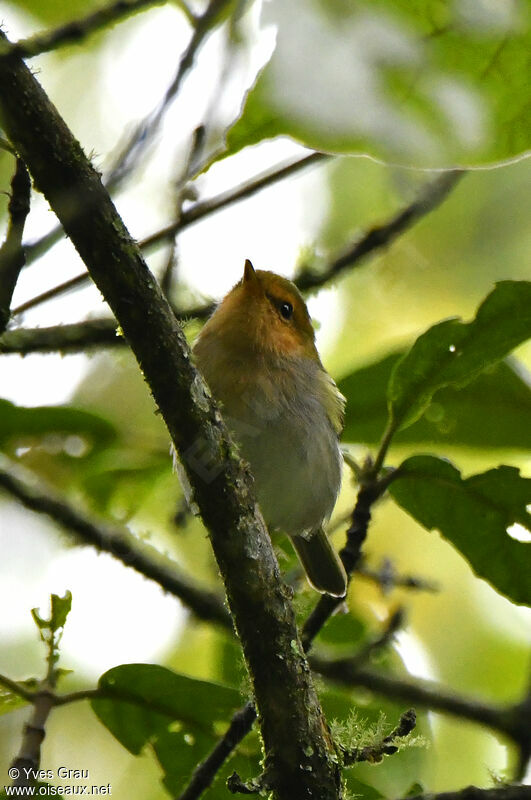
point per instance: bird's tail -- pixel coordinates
(321, 563)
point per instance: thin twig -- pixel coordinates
(17, 688)
(146, 129)
(75, 31)
(187, 218)
(387, 578)
(128, 157)
(180, 188)
(326, 605)
(62, 338)
(80, 336)
(430, 196)
(206, 770)
(12, 253)
(122, 545)
(235, 195)
(350, 556)
(370, 241)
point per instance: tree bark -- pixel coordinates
(299, 753)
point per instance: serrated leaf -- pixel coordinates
(420, 83)
(474, 515)
(18, 422)
(148, 698)
(453, 353)
(493, 411)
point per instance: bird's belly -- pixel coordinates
(296, 467)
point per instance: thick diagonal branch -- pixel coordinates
(12, 253)
(299, 753)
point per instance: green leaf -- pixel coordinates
(18, 422)
(61, 607)
(493, 411)
(475, 515)
(9, 701)
(359, 789)
(180, 752)
(427, 83)
(149, 698)
(56, 12)
(453, 353)
(343, 631)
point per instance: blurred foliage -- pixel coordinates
(414, 83)
(23, 427)
(493, 411)
(55, 12)
(426, 83)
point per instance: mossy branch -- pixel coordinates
(290, 716)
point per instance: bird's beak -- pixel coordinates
(251, 284)
(249, 275)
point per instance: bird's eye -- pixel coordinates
(286, 309)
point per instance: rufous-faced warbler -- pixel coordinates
(258, 355)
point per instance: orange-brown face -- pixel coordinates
(265, 312)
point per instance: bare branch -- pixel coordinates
(241, 192)
(433, 194)
(387, 578)
(125, 547)
(79, 336)
(350, 556)
(75, 31)
(145, 130)
(187, 218)
(64, 339)
(430, 196)
(206, 771)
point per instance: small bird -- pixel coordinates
(257, 352)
